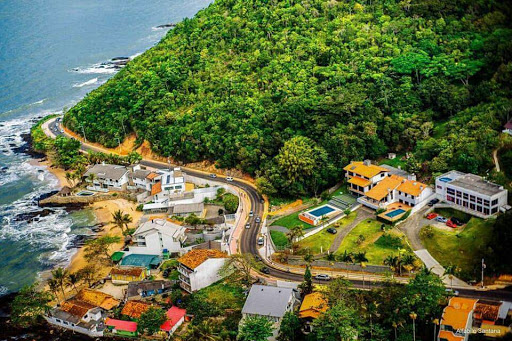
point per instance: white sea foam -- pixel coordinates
(89, 82)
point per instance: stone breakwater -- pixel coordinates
(81, 201)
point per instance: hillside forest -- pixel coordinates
(290, 91)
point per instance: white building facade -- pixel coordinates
(200, 268)
(157, 236)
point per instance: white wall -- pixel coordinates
(206, 273)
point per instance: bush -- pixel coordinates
(427, 232)
(139, 207)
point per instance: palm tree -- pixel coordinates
(91, 177)
(69, 178)
(295, 232)
(121, 219)
(451, 271)
(54, 288)
(60, 276)
(308, 257)
(392, 262)
(204, 331)
(74, 279)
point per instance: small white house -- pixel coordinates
(200, 268)
(79, 317)
(156, 236)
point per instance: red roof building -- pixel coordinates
(175, 317)
(127, 326)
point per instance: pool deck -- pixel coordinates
(392, 207)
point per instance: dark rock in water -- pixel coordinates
(26, 148)
(79, 240)
(45, 195)
(120, 58)
(33, 216)
(166, 25)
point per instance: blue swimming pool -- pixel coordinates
(445, 179)
(321, 211)
(395, 213)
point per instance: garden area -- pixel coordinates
(321, 241)
(376, 240)
(462, 247)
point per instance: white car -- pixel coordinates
(323, 277)
(261, 241)
(247, 226)
(229, 178)
(213, 175)
(251, 214)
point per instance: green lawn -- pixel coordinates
(321, 241)
(279, 238)
(394, 162)
(376, 243)
(460, 248)
(223, 295)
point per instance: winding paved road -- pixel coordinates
(248, 241)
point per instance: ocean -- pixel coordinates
(52, 53)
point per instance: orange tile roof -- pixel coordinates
(157, 188)
(359, 182)
(449, 336)
(313, 305)
(135, 308)
(151, 175)
(76, 308)
(194, 258)
(361, 169)
(97, 298)
(457, 312)
(412, 187)
(487, 311)
(133, 271)
(380, 190)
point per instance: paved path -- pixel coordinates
(278, 228)
(438, 269)
(362, 214)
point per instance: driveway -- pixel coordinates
(362, 214)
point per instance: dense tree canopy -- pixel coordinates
(290, 91)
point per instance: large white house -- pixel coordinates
(269, 302)
(199, 268)
(104, 177)
(158, 236)
(471, 193)
(379, 186)
(168, 184)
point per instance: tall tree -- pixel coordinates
(255, 328)
(29, 306)
(290, 328)
(150, 321)
(60, 276)
(121, 220)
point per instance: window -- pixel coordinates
(58, 320)
(65, 323)
(472, 206)
(400, 192)
(450, 198)
(479, 208)
(439, 187)
(494, 210)
(459, 194)
(494, 202)
(479, 201)
(472, 198)
(450, 191)
(465, 196)
(486, 211)
(486, 202)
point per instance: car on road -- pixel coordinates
(332, 230)
(261, 241)
(229, 178)
(456, 221)
(213, 175)
(433, 202)
(251, 214)
(265, 270)
(452, 292)
(441, 219)
(247, 226)
(451, 224)
(323, 277)
(431, 216)
(258, 219)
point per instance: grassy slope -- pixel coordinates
(279, 238)
(376, 246)
(460, 248)
(322, 240)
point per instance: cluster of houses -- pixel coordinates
(396, 191)
(464, 316)
(158, 190)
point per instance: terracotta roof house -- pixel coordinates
(487, 312)
(97, 298)
(313, 306)
(137, 290)
(457, 319)
(363, 175)
(199, 268)
(134, 309)
(507, 128)
(175, 317)
(78, 316)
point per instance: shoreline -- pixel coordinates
(103, 215)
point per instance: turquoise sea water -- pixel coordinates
(51, 55)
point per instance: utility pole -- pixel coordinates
(483, 268)
(83, 133)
